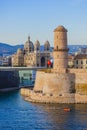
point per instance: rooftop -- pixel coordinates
(60, 28)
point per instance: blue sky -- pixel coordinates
(38, 19)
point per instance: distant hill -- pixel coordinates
(9, 49)
(75, 48)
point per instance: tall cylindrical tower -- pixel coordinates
(60, 48)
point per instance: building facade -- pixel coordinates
(80, 61)
(31, 55)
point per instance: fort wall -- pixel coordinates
(39, 82)
(59, 87)
(54, 83)
(80, 80)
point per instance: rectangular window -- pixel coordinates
(81, 62)
(76, 61)
(26, 74)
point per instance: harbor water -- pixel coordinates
(17, 114)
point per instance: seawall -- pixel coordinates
(32, 96)
(70, 87)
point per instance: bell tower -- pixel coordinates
(60, 49)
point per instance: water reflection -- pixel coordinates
(17, 114)
(73, 120)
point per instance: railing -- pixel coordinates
(20, 68)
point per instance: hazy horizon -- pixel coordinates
(42, 44)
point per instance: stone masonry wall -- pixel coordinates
(60, 83)
(31, 96)
(80, 80)
(54, 83)
(39, 81)
(59, 87)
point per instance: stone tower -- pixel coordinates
(60, 49)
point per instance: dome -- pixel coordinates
(28, 45)
(47, 43)
(61, 29)
(19, 51)
(47, 46)
(29, 42)
(37, 45)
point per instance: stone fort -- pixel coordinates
(61, 84)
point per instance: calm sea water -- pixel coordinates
(17, 114)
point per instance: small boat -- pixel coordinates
(67, 109)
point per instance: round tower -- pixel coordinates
(60, 49)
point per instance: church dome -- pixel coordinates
(37, 45)
(19, 51)
(60, 28)
(46, 45)
(28, 47)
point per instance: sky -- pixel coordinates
(38, 19)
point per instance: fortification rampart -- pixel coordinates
(54, 83)
(59, 87)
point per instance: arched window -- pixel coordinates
(47, 48)
(30, 49)
(43, 61)
(57, 47)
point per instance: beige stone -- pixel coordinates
(60, 85)
(31, 55)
